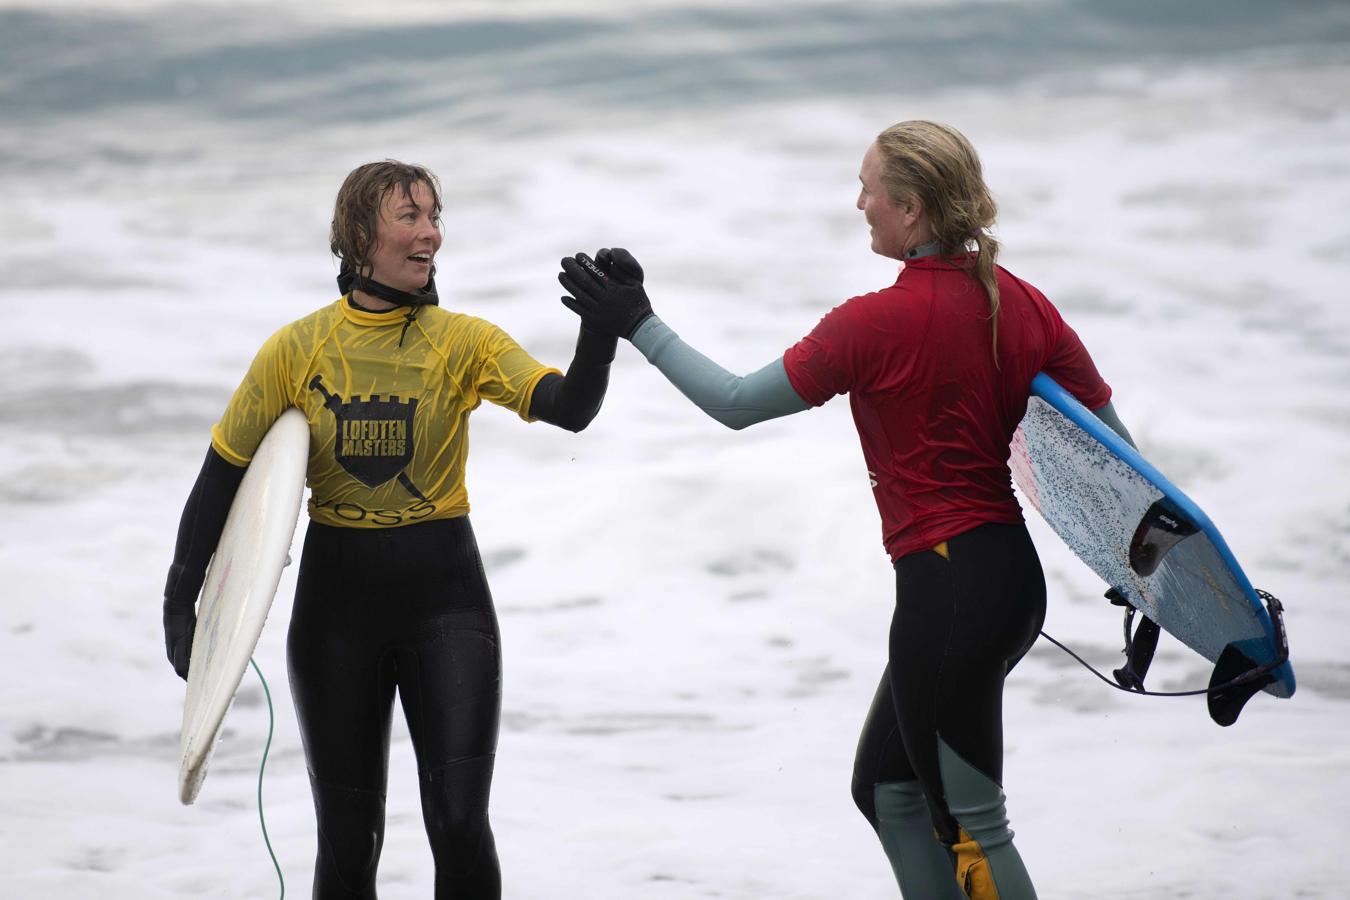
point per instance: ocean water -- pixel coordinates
(693, 619)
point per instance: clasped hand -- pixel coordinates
(606, 292)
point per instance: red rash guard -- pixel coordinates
(934, 414)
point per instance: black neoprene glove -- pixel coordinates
(180, 621)
(606, 292)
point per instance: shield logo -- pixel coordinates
(374, 437)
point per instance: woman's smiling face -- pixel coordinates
(407, 236)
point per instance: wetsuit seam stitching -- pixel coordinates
(935, 698)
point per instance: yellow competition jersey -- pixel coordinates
(388, 424)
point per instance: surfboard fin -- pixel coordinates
(1161, 529)
(1237, 677)
(1225, 703)
(1140, 645)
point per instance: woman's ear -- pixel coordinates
(911, 209)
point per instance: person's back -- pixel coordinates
(935, 412)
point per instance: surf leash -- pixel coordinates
(271, 723)
(1233, 673)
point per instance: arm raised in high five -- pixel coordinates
(609, 296)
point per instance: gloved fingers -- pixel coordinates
(579, 284)
(178, 631)
(592, 269)
(182, 656)
(580, 307)
(623, 264)
(583, 271)
(604, 258)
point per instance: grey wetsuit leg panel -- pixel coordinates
(978, 803)
(922, 866)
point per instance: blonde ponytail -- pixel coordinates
(986, 260)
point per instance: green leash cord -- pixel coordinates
(271, 721)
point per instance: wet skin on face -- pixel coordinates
(407, 237)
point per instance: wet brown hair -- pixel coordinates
(936, 164)
(356, 213)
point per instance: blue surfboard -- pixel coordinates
(1145, 538)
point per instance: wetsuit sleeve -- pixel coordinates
(507, 375)
(733, 400)
(258, 402)
(1108, 415)
(200, 526)
(572, 401)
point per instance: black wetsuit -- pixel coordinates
(379, 610)
(405, 608)
(960, 625)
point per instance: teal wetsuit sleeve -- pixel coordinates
(733, 400)
(1108, 415)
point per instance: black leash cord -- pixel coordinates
(1244, 678)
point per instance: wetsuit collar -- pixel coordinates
(932, 248)
(349, 281)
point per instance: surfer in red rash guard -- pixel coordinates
(391, 593)
(938, 368)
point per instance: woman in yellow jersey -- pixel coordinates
(391, 593)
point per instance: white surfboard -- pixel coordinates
(240, 584)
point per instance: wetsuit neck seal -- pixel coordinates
(932, 248)
(349, 281)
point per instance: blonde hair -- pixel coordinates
(936, 164)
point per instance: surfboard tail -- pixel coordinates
(1237, 677)
(190, 778)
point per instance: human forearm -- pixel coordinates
(199, 530)
(572, 401)
(733, 400)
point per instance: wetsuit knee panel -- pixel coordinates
(988, 866)
(864, 797)
(922, 866)
(974, 799)
(455, 812)
(901, 800)
(351, 833)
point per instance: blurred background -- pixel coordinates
(693, 619)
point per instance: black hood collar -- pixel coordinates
(349, 281)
